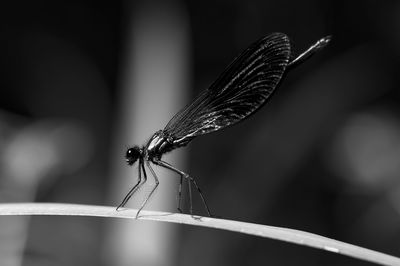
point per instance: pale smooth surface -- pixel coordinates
(278, 233)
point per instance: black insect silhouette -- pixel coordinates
(241, 90)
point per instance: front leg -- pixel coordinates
(134, 188)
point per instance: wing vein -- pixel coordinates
(242, 88)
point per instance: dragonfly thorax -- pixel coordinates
(158, 145)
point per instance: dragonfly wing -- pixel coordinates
(242, 88)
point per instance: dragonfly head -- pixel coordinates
(132, 154)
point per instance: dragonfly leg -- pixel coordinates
(154, 188)
(190, 194)
(190, 179)
(133, 189)
(180, 195)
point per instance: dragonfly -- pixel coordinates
(244, 86)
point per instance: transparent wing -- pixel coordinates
(241, 89)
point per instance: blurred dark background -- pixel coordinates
(323, 156)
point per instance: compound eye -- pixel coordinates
(132, 154)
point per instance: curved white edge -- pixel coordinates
(277, 233)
